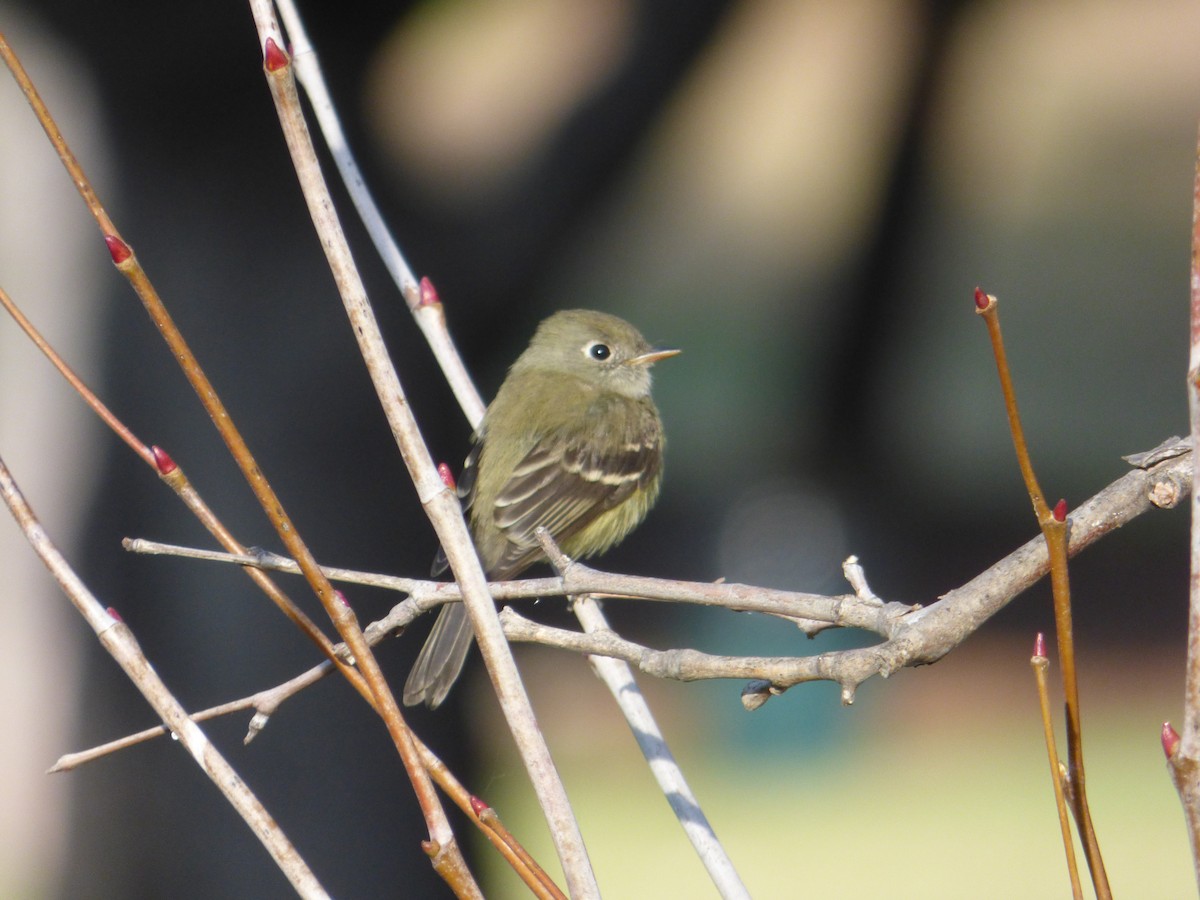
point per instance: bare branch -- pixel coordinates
(918, 638)
(919, 635)
(916, 635)
(430, 316)
(618, 677)
(1184, 759)
(119, 641)
(439, 503)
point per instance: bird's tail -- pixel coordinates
(441, 659)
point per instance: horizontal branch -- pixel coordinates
(915, 635)
(923, 636)
(812, 612)
(680, 665)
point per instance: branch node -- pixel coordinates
(857, 579)
(559, 561)
(758, 692)
(257, 723)
(1166, 493)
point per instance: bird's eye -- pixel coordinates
(598, 351)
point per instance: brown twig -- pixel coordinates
(89, 397)
(1054, 529)
(1040, 664)
(172, 475)
(126, 262)
(517, 856)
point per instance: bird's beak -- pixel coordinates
(652, 357)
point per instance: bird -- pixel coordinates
(572, 442)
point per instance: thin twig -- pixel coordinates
(1184, 761)
(1054, 529)
(120, 642)
(422, 299)
(440, 504)
(442, 846)
(77, 384)
(1040, 664)
(844, 610)
(518, 857)
(126, 262)
(173, 476)
(663, 766)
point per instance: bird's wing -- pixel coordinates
(564, 486)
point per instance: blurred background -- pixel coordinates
(801, 195)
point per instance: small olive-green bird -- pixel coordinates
(572, 442)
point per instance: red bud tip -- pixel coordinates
(1060, 511)
(117, 248)
(429, 294)
(447, 476)
(113, 612)
(274, 58)
(478, 806)
(981, 299)
(341, 598)
(1039, 645)
(1170, 740)
(163, 461)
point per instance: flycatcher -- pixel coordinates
(572, 442)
